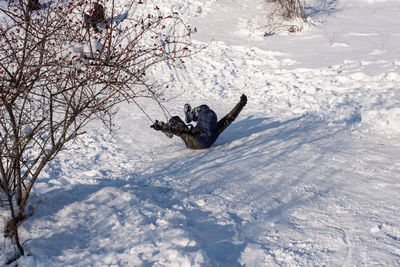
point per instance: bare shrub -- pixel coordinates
(56, 75)
(289, 15)
(291, 9)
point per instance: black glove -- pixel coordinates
(243, 100)
(157, 125)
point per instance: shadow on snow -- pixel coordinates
(240, 169)
(322, 9)
(246, 146)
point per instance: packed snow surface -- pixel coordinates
(308, 175)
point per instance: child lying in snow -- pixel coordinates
(207, 130)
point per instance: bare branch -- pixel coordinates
(56, 76)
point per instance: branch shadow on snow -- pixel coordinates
(71, 234)
(85, 216)
(322, 9)
(79, 231)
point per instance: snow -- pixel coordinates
(308, 175)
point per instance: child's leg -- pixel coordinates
(229, 118)
(187, 110)
(196, 111)
(177, 121)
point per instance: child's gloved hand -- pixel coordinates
(157, 125)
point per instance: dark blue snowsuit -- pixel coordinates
(207, 130)
(207, 124)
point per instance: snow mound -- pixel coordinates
(386, 120)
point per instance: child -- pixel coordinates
(207, 130)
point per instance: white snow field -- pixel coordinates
(308, 175)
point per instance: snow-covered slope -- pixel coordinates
(308, 175)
